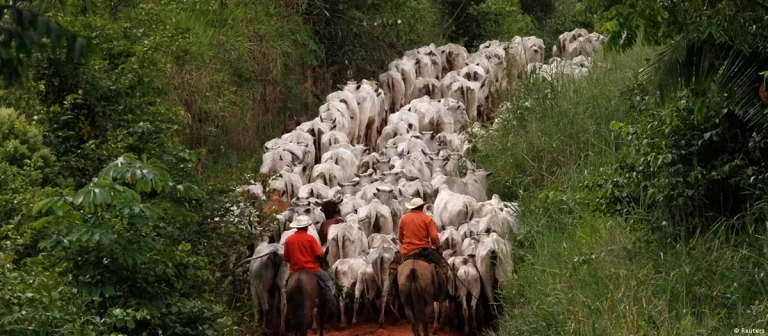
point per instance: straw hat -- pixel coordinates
(301, 222)
(414, 203)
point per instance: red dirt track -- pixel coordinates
(372, 329)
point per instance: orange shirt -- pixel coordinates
(300, 250)
(415, 231)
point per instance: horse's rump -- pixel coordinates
(302, 296)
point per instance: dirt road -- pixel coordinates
(372, 329)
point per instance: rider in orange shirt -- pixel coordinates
(417, 234)
(303, 252)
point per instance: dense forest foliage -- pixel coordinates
(642, 186)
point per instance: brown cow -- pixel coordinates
(275, 204)
(330, 209)
(291, 125)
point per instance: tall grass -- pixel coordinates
(578, 272)
(549, 129)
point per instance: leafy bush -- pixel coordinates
(119, 240)
(539, 10)
(691, 161)
(359, 38)
(477, 21)
(569, 15)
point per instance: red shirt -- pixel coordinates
(300, 250)
(415, 231)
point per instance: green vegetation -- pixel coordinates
(117, 210)
(643, 213)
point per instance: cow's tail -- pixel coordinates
(376, 224)
(340, 241)
(318, 141)
(470, 211)
(377, 266)
(392, 94)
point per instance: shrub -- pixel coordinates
(694, 161)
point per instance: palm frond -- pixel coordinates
(740, 78)
(682, 63)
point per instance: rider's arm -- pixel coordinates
(400, 231)
(433, 236)
(316, 249)
(286, 251)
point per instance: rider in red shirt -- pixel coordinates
(303, 252)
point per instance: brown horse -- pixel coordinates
(304, 295)
(417, 282)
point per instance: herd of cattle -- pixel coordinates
(376, 145)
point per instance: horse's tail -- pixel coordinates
(297, 301)
(416, 301)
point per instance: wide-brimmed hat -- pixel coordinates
(301, 222)
(414, 203)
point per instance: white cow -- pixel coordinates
(366, 284)
(476, 184)
(467, 286)
(453, 56)
(376, 217)
(406, 66)
(315, 190)
(267, 269)
(380, 258)
(287, 184)
(523, 51)
(344, 159)
(565, 39)
(426, 87)
(337, 115)
(392, 83)
(376, 240)
(410, 118)
(467, 92)
(345, 240)
(316, 128)
(368, 104)
(332, 138)
(389, 132)
(273, 162)
(348, 99)
(345, 271)
(329, 174)
(494, 261)
(451, 209)
(450, 238)
(469, 246)
(350, 204)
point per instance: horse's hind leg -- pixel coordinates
(425, 325)
(436, 307)
(314, 321)
(414, 322)
(320, 321)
